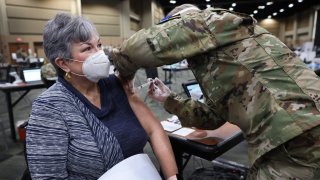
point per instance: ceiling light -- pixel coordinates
(269, 17)
(300, 1)
(208, 5)
(261, 7)
(172, 1)
(274, 14)
(281, 10)
(233, 4)
(269, 3)
(290, 5)
(208, 0)
(255, 11)
(231, 9)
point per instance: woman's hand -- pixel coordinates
(158, 91)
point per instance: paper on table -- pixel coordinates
(183, 131)
(8, 85)
(136, 167)
(170, 126)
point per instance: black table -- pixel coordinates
(7, 89)
(208, 149)
(168, 69)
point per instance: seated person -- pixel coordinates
(85, 123)
(48, 74)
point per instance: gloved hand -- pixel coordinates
(157, 90)
(114, 55)
(111, 52)
(174, 177)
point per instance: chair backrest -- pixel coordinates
(26, 174)
(4, 73)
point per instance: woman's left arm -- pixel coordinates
(158, 138)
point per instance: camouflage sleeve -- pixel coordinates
(193, 113)
(167, 43)
(182, 37)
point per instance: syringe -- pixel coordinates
(143, 85)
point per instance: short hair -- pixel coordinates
(181, 7)
(61, 32)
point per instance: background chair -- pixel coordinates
(4, 73)
(3, 137)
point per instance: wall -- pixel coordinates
(298, 28)
(272, 25)
(106, 17)
(293, 30)
(23, 21)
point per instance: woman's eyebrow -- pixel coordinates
(82, 43)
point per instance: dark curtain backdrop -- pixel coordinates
(317, 35)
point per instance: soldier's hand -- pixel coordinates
(112, 53)
(114, 56)
(157, 90)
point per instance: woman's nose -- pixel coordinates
(96, 49)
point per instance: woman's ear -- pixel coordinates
(62, 64)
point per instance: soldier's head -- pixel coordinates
(180, 9)
(183, 9)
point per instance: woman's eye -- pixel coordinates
(99, 45)
(87, 48)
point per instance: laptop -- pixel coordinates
(31, 76)
(193, 90)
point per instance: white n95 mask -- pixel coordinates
(95, 67)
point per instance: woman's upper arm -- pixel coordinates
(46, 142)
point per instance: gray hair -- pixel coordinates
(181, 7)
(61, 32)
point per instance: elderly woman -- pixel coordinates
(85, 123)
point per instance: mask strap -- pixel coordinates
(82, 75)
(74, 60)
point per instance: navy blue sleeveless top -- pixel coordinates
(117, 115)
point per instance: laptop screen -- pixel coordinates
(31, 75)
(193, 90)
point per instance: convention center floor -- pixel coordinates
(12, 162)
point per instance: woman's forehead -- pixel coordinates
(94, 39)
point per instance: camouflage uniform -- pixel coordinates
(48, 73)
(248, 77)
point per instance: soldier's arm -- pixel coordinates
(193, 113)
(167, 43)
(182, 37)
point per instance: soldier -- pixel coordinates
(48, 74)
(248, 77)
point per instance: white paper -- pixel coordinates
(183, 131)
(169, 126)
(13, 55)
(136, 167)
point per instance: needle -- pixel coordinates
(143, 85)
